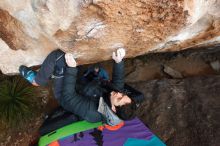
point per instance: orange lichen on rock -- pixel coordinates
(154, 19)
(8, 28)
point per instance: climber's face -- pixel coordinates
(119, 99)
(96, 70)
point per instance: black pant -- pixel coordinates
(53, 67)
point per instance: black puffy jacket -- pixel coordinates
(82, 105)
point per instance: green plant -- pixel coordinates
(16, 100)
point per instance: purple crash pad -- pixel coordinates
(93, 137)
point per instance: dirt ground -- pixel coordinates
(182, 112)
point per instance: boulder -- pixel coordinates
(92, 29)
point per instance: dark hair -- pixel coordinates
(97, 65)
(127, 111)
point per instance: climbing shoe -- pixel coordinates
(27, 73)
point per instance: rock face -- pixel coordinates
(182, 112)
(92, 29)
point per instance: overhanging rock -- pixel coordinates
(29, 30)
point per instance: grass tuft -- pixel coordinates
(16, 101)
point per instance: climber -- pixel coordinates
(95, 72)
(86, 104)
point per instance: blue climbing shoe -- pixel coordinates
(27, 73)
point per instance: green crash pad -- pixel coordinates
(65, 131)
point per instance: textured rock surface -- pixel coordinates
(182, 112)
(91, 30)
(189, 63)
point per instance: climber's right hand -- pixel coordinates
(118, 55)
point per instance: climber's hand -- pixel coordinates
(71, 62)
(118, 55)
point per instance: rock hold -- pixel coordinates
(215, 65)
(171, 72)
